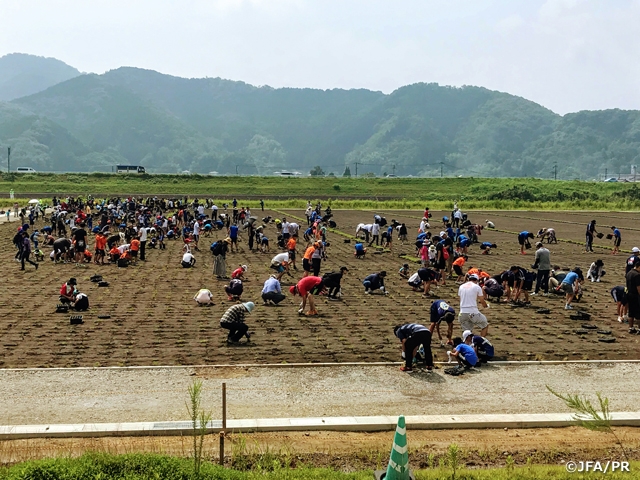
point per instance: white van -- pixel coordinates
(25, 170)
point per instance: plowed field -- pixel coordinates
(154, 320)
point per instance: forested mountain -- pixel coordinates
(22, 74)
(170, 124)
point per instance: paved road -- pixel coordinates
(130, 395)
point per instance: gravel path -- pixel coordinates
(159, 394)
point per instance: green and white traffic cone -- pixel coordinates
(398, 468)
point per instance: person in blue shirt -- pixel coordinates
(463, 243)
(617, 240)
(464, 353)
(412, 335)
(389, 242)
(486, 247)
(523, 240)
(484, 348)
(442, 311)
(360, 250)
(233, 235)
(569, 286)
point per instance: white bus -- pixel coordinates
(130, 169)
(25, 170)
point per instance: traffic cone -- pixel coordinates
(398, 468)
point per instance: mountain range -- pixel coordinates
(58, 119)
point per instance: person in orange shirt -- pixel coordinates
(306, 260)
(114, 254)
(134, 247)
(458, 263)
(291, 248)
(101, 243)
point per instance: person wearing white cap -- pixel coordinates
(635, 253)
(464, 352)
(470, 317)
(233, 320)
(203, 297)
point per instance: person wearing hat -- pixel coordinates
(239, 272)
(412, 335)
(233, 320)
(220, 261)
(464, 353)
(635, 253)
(375, 281)
(307, 287)
(441, 310)
(68, 291)
(469, 317)
(331, 281)
(543, 264)
(272, 291)
(591, 231)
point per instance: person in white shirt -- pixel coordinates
(188, 260)
(285, 229)
(142, 236)
(470, 293)
(124, 248)
(196, 234)
(203, 297)
(200, 209)
(280, 263)
(294, 228)
(375, 232)
(214, 212)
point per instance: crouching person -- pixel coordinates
(81, 303)
(188, 260)
(412, 335)
(464, 353)
(234, 289)
(272, 291)
(204, 297)
(484, 348)
(233, 320)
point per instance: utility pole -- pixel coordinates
(236, 169)
(9, 160)
(394, 169)
(441, 169)
(555, 171)
(356, 169)
(605, 173)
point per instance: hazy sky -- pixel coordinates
(567, 55)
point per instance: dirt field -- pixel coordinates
(154, 320)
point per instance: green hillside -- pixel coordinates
(22, 75)
(171, 124)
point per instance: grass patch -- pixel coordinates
(353, 193)
(159, 467)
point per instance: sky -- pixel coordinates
(567, 55)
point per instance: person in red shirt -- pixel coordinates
(307, 288)
(239, 272)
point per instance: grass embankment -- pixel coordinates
(388, 193)
(156, 467)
